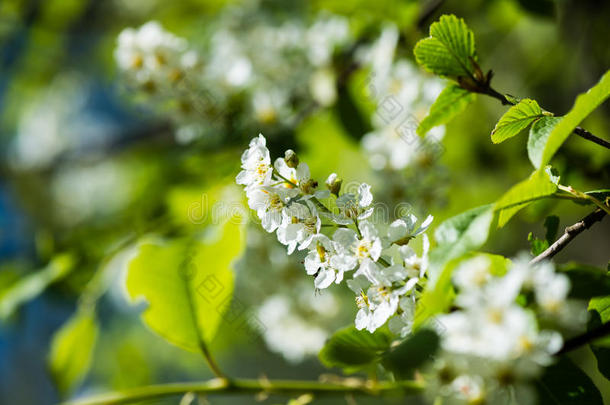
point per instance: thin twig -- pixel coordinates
(587, 337)
(583, 133)
(570, 233)
(250, 387)
(427, 12)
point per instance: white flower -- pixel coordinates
(288, 333)
(376, 303)
(256, 164)
(323, 36)
(354, 206)
(402, 324)
(149, 51)
(322, 87)
(299, 225)
(353, 250)
(321, 262)
(299, 177)
(469, 389)
(403, 230)
(551, 291)
(473, 273)
(269, 204)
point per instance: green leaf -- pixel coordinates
(565, 384)
(601, 305)
(353, 350)
(539, 134)
(411, 354)
(452, 101)
(537, 246)
(187, 285)
(584, 105)
(72, 349)
(537, 186)
(449, 50)
(458, 235)
(32, 285)
(600, 349)
(516, 119)
(586, 281)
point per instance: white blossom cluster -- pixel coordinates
(386, 270)
(267, 71)
(403, 96)
(493, 346)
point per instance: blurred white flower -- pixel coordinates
(287, 333)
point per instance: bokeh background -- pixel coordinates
(93, 160)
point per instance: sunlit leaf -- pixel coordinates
(538, 185)
(452, 101)
(188, 285)
(72, 349)
(539, 134)
(458, 235)
(516, 119)
(584, 105)
(449, 50)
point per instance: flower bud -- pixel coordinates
(291, 159)
(333, 183)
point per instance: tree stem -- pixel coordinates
(251, 387)
(570, 233)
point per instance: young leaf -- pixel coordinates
(449, 50)
(538, 185)
(516, 119)
(34, 284)
(565, 384)
(188, 286)
(353, 349)
(71, 350)
(452, 101)
(539, 134)
(411, 354)
(537, 246)
(584, 105)
(458, 235)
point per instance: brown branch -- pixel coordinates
(570, 233)
(583, 133)
(587, 337)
